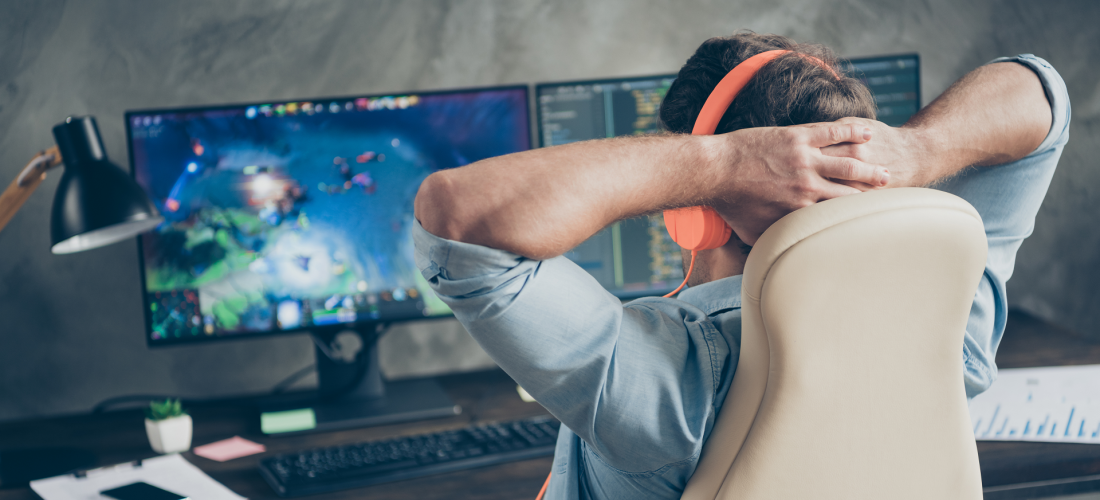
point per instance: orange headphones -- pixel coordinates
(701, 228)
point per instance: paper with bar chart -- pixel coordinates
(1054, 404)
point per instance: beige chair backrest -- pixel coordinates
(850, 379)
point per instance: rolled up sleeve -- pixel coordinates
(1008, 197)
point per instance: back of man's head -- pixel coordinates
(789, 90)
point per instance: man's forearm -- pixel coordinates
(995, 114)
(542, 203)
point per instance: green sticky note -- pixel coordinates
(276, 422)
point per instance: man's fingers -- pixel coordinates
(848, 149)
(858, 185)
(830, 190)
(835, 133)
(849, 169)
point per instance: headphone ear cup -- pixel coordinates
(701, 228)
(697, 228)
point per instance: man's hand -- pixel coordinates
(779, 170)
(902, 150)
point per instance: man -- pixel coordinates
(638, 386)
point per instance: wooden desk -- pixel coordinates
(1009, 470)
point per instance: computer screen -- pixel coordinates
(636, 257)
(596, 109)
(893, 80)
(284, 216)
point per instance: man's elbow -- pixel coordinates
(436, 207)
(1025, 91)
(452, 207)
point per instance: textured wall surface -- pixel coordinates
(71, 326)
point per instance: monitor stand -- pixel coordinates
(352, 392)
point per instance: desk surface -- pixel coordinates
(118, 437)
(486, 396)
(1031, 342)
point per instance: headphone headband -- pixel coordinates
(727, 89)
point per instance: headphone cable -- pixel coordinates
(681, 287)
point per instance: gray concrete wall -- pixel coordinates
(71, 326)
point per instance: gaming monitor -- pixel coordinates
(636, 257)
(294, 216)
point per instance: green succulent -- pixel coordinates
(164, 410)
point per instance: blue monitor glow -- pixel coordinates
(293, 216)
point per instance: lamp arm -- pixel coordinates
(23, 186)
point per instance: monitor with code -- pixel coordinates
(894, 81)
(634, 257)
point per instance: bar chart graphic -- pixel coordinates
(1051, 404)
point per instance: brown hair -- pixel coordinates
(789, 90)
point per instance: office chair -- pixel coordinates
(850, 379)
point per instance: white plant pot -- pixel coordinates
(171, 435)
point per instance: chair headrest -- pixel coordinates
(801, 224)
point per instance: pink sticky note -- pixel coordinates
(228, 449)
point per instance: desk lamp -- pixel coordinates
(96, 204)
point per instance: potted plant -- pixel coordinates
(168, 426)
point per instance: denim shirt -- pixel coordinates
(638, 386)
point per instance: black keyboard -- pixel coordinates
(362, 464)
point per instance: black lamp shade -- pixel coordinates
(96, 203)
